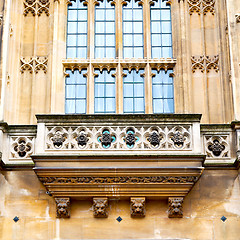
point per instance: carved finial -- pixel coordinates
(175, 207)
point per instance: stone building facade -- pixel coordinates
(119, 119)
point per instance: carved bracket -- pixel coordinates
(205, 63)
(201, 6)
(34, 64)
(63, 207)
(100, 207)
(137, 207)
(175, 207)
(36, 7)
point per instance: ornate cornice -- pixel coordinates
(118, 180)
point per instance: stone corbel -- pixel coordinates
(175, 209)
(137, 207)
(100, 206)
(63, 207)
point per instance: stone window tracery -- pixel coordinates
(105, 35)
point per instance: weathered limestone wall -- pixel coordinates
(34, 75)
(216, 194)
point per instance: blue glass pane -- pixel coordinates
(82, 40)
(71, 53)
(70, 91)
(137, 14)
(128, 52)
(99, 104)
(128, 40)
(138, 90)
(157, 91)
(138, 52)
(110, 27)
(156, 40)
(128, 105)
(156, 27)
(139, 105)
(110, 53)
(72, 27)
(167, 52)
(166, 27)
(110, 91)
(80, 91)
(99, 90)
(137, 27)
(70, 106)
(155, 14)
(138, 40)
(110, 40)
(110, 105)
(127, 14)
(156, 52)
(110, 14)
(99, 52)
(100, 14)
(165, 15)
(81, 106)
(82, 15)
(72, 15)
(166, 40)
(72, 40)
(71, 78)
(168, 106)
(100, 40)
(157, 105)
(128, 90)
(127, 27)
(82, 27)
(168, 91)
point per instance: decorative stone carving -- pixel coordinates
(58, 139)
(82, 139)
(201, 6)
(34, 64)
(237, 16)
(63, 207)
(180, 138)
(100, 207)
(175, 207)
(217, 146)
(137, 207)
(205, 63)
(36, 7)
(21, 147)
(106, 138)
(121, 138)
(121, 179)
(154, 138)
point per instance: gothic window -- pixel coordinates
(104, 91)
(132, 30)
(104, 30)
(161, 30)
(77, 30)
(76, 94)
(119, 57)
(133, 91)
(162, 91)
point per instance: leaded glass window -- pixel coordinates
(77, 30)
(132, 30)
(104, 88)
(161, 30)
(162, 91)
(105, 30)
(133, 91)
(76, 91)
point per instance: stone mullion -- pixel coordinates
(119, 49)
(90, 89)
(148, 89)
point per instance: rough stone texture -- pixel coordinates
(215, 195)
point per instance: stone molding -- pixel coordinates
(137, 207)
(36, 7)
(63, 207)
(175, 207)
(100, 207)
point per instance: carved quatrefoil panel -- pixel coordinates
(217, 146)
(21, 147)
(161, 137)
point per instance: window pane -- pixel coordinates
(72, 27)
(158, 106)
(138, 52)
(81, 91)
(99, 90)
(139, 105)
(99, 52)
(128, 105)
(70, 106)
(110, 53)
(100, 40)
(138, 40)
(82, 52)
(110, 40)
(168, 106)
(110, 27)
(80, 106)
(72, 15)
(110, 105)
(82, 15)
(138, 90)
(100, 14)
(99, 105)
(82, 40)
(128, 40)
(128, 90)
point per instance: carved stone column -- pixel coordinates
(175, 209)
(100, 207)
(137, 207)
(63, 207)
